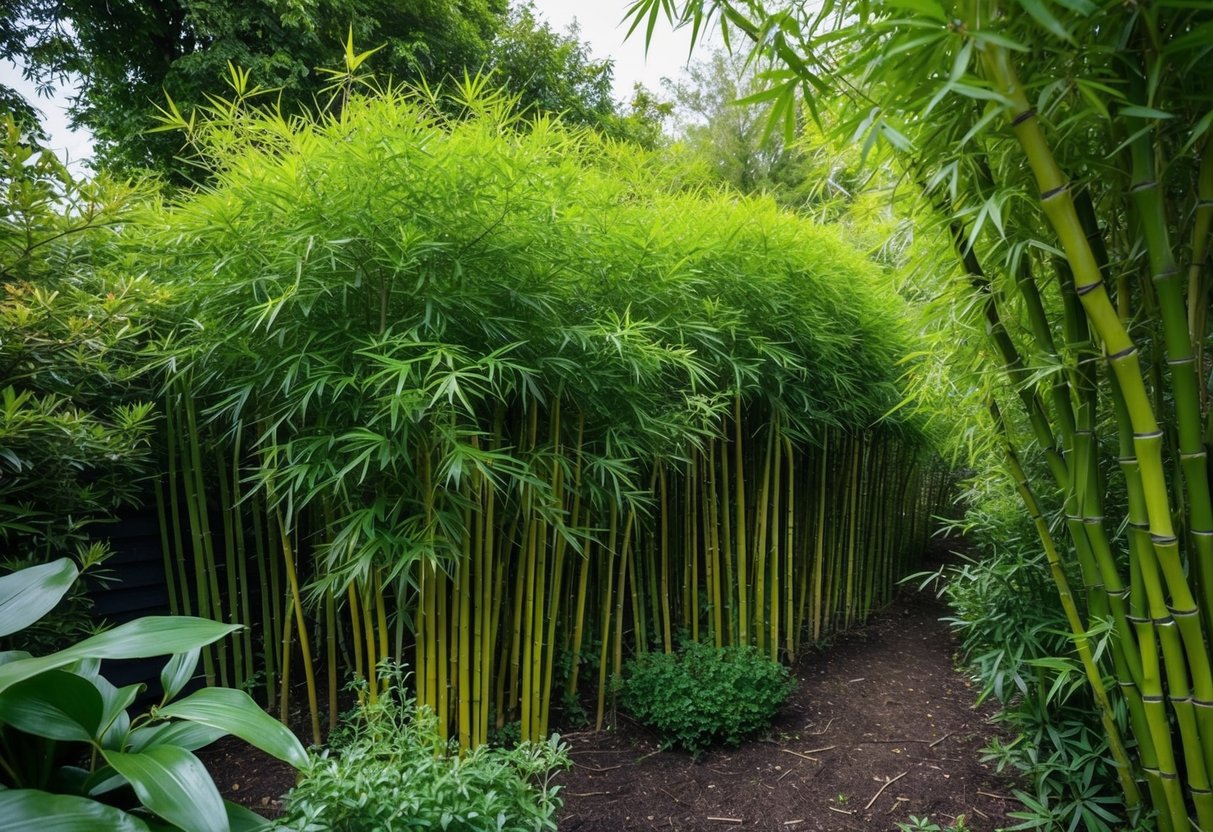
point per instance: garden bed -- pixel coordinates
(881, 703)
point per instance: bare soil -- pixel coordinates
(880, 727)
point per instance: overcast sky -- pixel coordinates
(600, 26)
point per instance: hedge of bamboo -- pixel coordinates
(476, 395)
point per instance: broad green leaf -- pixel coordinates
(188, 735)
(57, 705)
(243, 820)
(28, 594)
(115, 721)
(174, 784)
(178, 671)
(29, 810)
(235, 711)
(157, 635)
(103, 780)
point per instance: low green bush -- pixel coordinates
(387, 768)
(706, 695)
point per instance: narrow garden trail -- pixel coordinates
(880, 727)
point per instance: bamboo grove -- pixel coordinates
(473, 395)
(1065, 148)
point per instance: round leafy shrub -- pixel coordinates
(388, 769)
(706, 695)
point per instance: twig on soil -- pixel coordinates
(671, 797)
(840, 811)
(897, 801)
(819, 750)
(801, 756)
(588, 794)
(823, 730)
(786, 773)
(941, 739)
(995, 796)
(596, 768)
(726, 820)
(793, 822)
(887, 783)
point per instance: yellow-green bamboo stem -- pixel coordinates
(292, 578)
(743, 575)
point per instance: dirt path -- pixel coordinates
(882, 703)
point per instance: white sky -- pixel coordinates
(601, 27)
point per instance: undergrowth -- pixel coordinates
(388, 769)
(1016, 645)
(706, 695)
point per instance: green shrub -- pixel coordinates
(706, 695)
(388, 769)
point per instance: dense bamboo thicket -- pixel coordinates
(476, 396)
(1066, 149)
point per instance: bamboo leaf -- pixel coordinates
(1039, 10)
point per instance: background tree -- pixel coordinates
(127, 53)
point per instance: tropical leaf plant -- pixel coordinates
(74, 757)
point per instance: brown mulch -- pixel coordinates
(881, 727)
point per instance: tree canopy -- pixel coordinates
(127, 55)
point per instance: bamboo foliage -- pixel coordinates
(418, 361)
(1065, 151)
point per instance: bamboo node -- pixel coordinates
(1088, 288)
(1125, 353)
(1052, 193)
(1020, 118)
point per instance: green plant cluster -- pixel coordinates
(72, 755)
(705, 696)
(1015, 646)
(388, 769)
